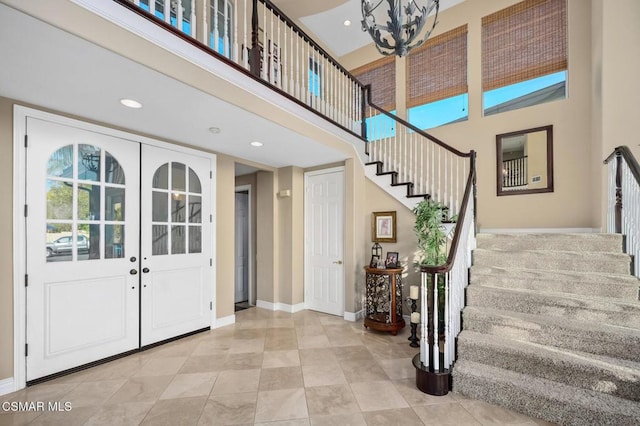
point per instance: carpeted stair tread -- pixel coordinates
(541, 398)
(574, 307)
(574, 282)
(612, 376)
(600, 339)
(559, 260)
(570, 242)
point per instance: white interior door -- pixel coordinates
(176, 244)
(324, 242)
(242, 247)
(82, 244)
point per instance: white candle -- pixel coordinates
(413, 292)
(415, 317)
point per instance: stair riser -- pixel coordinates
(583, 340)
(602, 312)
(586, 376)
(551, 261)
(597, 289)
(578, 243)
(512, 397)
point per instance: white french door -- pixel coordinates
(242, 247)
(118, 246)
(176, 244)
(324, 241)
(82, 241)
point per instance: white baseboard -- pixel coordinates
(6, 386)
(539, 230)
(292, 309)
(354, 316)
(225, 321)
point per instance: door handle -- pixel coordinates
(145, 270)
(133, 271)
(338, 262)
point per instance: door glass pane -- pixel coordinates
(88, 244)
(194, 182)
(113, 172)
(89, 202)
(89, 162)
(114, 204)
(195, 239)
(58, 242)
(178, 205)
(161, 177)
(177, 239)
(160, 239)
(160, 207)
(59, 200)
(195, 209)
(114, 241)
(178, 177)
(60, 163)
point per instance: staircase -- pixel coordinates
(404, 192)
(552, 328)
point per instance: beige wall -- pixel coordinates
(266, 242)
(6, 243)
(291, 236)
(570, 205)
(407, 241)
(537, 159)
(355, 254)
(225, 236)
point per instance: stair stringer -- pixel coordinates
(384, 181)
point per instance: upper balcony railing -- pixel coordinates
(257, 37)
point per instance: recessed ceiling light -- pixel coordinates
(214, 130)
(130, 103)
(256, 143)
(347, 23)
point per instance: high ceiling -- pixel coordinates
(325, 19)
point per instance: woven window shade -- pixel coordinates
(438, 69)
(381, 74)
(524, 41)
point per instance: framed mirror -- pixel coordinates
(525, 161)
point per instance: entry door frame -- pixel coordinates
(20, 114)
(307, 236)
(242, 188)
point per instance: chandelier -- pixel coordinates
(400, 26)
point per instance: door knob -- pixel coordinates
(338, 262)
(133, 271)
(133, 259)
(145, 270)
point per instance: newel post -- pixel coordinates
(618, 211)
(254, 56)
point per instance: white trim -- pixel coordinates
(539, 231)
(6, 386)
(248, 188)
(305, 212)
(224, 321)
(284, 307)
(20, 114)
(353, 316)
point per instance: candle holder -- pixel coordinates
(413, 338)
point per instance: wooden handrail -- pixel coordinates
(414, 128)
(269, 5)
(625, 152)
(199, 45)
(468, 192)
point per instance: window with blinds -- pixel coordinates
(524, 55)
(381, 75)
(437, 80)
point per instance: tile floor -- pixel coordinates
(269, 368)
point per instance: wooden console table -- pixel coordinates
(384, 299)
